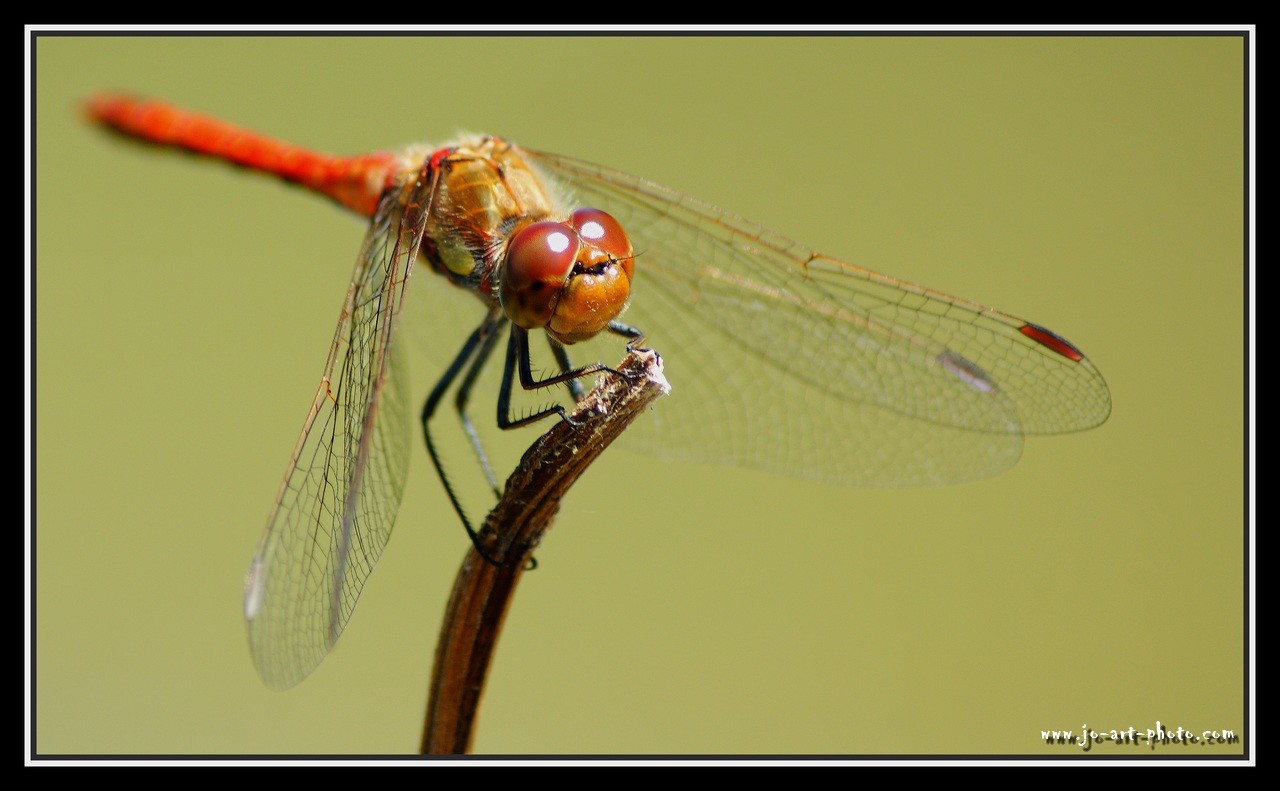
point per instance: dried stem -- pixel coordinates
(482, 591)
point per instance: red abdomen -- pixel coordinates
(355, 182)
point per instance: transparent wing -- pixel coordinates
(338, 501)
(787, 360)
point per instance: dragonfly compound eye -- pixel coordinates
(540, 258)
(601, 231)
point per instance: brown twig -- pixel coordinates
(530, 501)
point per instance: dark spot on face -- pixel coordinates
(536, 286)
(596, 269)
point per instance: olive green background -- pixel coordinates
(183, 309)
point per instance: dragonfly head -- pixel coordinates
(570, 278)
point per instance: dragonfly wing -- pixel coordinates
(787, 360)
(338, 501)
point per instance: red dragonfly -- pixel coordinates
(792, 361)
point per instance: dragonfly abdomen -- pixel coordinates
(355, 182)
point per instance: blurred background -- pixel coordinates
(183, 310)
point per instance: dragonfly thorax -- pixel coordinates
(483, 190)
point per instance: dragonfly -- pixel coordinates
(787, 360)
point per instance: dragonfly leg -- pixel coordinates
(576, 389)
(634, 338)
(477, 348)
(518, 360)
(464, 395)
(634, 335)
